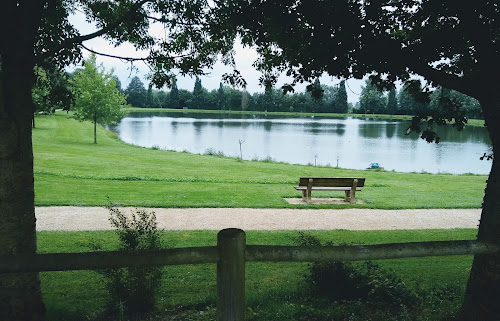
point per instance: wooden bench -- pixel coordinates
(348, 184)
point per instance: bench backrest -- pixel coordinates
(332, 181)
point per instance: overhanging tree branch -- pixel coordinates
(80, 39)
(128, 59)
(131, 59)
(440, 77)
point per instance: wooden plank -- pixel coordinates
(262, 253)
(332, 181)
(107, 259)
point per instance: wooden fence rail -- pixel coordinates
(230, 254)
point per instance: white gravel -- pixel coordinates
(72, 218)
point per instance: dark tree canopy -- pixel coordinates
(136, 93)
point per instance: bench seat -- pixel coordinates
(325, 188)
(350, 185)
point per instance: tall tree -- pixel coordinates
(372, 100)
(221, 97)
(174, 95)
(244, 100)
(450, 43)
(136, 93)
(406, 103)
(198, 94)
(341, 105)
(96, 97)
(149, 97)
(118, 83)
(39, 33)
(392, 102)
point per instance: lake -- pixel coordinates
(349, 142)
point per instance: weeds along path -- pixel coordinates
(71, 218)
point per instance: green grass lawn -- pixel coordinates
(274, 291)
(71, 170)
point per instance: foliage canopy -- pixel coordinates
(97, 98)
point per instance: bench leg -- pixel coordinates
(304, 195)
(308, 195)
(350, 196)
(353, 191)
(309, 190)
(353, 197)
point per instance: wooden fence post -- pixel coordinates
(231, 275)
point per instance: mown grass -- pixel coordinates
(71, 170)
(274, 291)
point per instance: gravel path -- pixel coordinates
(70, 218)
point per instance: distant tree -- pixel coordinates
(221, 97)
(136, 93)
(198, 95)
(233, 98)
(149, 97)
(162, 99)
(267, 100)
(185, 98)
(299, 102)
(470, 106)
(392, 102)
(317, 103)
(118, 84)
(341, 99)
(371, 101)
(174, 96)
(244, 100)
(405, 103)
(96, 96)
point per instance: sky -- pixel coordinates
(244, 59)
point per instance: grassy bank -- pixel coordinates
(274, 291)
(71, 170)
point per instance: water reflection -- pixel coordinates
(354, 143)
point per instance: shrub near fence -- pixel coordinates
(230, 254)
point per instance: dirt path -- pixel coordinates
(70, 218)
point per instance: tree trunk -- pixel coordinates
(482, 296)
(20, 293)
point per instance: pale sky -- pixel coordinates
(244, 60)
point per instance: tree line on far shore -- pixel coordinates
(332, 100)
(53, 90)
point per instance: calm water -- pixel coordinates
(353, 143)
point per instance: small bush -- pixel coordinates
(347, 281)
(132, 291)
(213, 152)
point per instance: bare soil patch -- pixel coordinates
(297, 201)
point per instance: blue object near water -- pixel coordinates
(374, 166)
